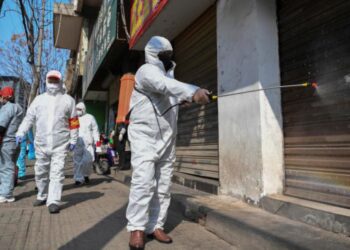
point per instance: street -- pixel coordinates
(92, 217)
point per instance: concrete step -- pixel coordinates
(248, 227)
(196, 183)
(328, 217)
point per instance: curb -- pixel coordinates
(248, 227)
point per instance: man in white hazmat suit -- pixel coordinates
(56, 123)
(84, 152)
(152, 133)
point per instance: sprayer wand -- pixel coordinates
(305, 84)
(214, 98)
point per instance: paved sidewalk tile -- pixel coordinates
(92, 217)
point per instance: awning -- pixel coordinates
(67, 26)
(78, 4)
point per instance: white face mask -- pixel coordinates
(79, 113)
(53, 88)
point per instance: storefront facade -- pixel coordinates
(291, 142)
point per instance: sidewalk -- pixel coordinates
(93, 217)
(248, 227)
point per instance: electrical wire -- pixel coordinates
(122, 10)
(152, 103)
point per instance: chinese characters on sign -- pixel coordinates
(102, 37)
(143, 13)
(103, 30)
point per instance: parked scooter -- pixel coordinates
(105, 156)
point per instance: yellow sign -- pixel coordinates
(143, 12)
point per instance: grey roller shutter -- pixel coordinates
(197, 141)
(314, 46)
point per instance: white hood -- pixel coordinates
(155, 45)
(54, 89)
(81, 106)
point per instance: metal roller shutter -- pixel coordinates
(314, 46)
(197, 141)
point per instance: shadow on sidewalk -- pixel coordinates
(98, 236)
(27, 179)
(93, 182)
(101, 233)
(73, 199)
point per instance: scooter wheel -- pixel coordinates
(102, 167)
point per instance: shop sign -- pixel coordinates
(103, 35)
(143, 12)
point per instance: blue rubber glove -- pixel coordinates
(71, 147)
(18, 140)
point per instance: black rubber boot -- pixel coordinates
(54, 209)
(86, 179)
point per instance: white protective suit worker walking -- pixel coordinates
(84, 152)
(152, 134)
(11, 115)
(56, 125)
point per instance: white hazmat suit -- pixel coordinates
(54, 116)
(84, 150)
(152, 138)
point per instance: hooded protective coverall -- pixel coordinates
(11, 115)
(54, 116)
(84, 151)
(152, 138)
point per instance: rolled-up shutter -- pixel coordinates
(315, 46)
(197, 141)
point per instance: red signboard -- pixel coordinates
(143, 12)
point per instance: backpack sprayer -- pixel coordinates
(301, 85)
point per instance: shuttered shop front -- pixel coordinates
(197, 141)
(314, 46)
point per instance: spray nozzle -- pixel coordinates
(212, 97)
(310, 84)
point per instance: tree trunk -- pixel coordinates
(1, 2)
(34, 87)
(37, 69)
